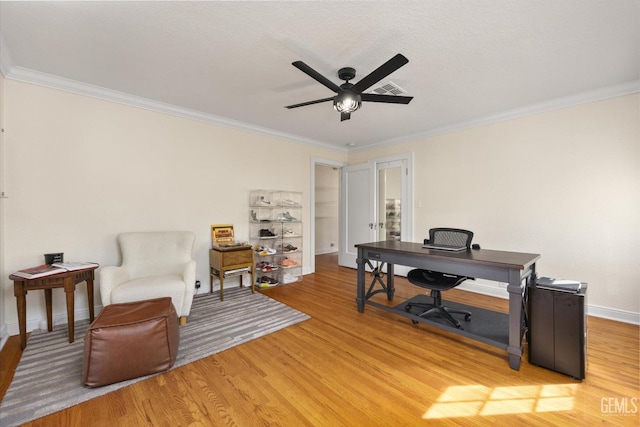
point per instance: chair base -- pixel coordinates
(445, 312)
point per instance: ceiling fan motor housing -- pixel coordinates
(347, 73)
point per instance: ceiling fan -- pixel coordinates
(349, 97)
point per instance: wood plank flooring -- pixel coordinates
(344, 368)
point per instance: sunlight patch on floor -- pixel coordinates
(473, 400)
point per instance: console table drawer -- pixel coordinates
(222, 259)
(238, 257)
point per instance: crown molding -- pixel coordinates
(613, 91)
(13, 72)
(25, 75)
(6, 62)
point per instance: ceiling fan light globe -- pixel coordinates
(347, 102)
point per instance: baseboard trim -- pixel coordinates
(614, 314)
(326, 251)
(592, 310)
(58, 319)
(4, 336)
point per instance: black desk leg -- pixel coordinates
(390, 285)
(515, 319)
(360, 282)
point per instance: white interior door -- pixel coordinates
(393, 202)
(357, 211)
(376, 204)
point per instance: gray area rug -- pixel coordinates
(484, 323)
(49, 375)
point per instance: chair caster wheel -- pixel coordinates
(415, 322)
(467, 318)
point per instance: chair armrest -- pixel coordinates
(189, 277)
(110, 278)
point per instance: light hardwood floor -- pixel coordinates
(344, 368)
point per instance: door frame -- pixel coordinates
(312, 206)
(407, 223)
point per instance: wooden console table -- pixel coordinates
(67, 280)
(223, 260)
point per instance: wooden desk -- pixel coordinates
(508, 267)
(222, 260)
(67, 280)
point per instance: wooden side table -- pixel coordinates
(67, 280)
(223, 260)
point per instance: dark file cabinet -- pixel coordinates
(557, 330)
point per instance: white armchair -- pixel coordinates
(154, 265)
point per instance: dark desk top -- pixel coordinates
(511, 260)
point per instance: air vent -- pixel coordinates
(389, 88)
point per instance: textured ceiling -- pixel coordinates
(470, 62)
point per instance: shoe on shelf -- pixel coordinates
(282, 217)
(288, 233)
(266, 282)
(264, 251)
(264, 232)
(261, 215)
(266, 266)
(288, 216)
(288, 263)
(288, 247)
(289, 202)
(261, 201)
(289, 278)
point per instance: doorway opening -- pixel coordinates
(325, 209)
(375, 204)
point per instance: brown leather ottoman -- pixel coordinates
(130, 340)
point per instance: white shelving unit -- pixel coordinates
(275, 230)
(392, 219)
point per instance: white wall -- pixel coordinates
(77, 171)
(3, 317)
(564, 184)
(80, 170)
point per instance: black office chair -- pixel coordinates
(438, 282)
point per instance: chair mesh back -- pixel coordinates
(451, 237)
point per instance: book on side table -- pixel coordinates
(39, 271)
(77, 265)
(51, 269)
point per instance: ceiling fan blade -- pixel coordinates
(345, 116)
(391, 99)
(316, 76)
(380, 73)
(317, 101)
